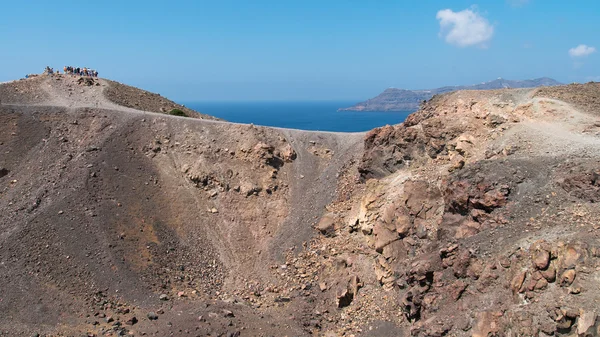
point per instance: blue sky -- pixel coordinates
(302, 50)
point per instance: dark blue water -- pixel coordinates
(321, 116)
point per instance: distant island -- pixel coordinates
(393, 99)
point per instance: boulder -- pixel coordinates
(383, 236)
(464, 143)
(326, 225)
(517, 282)
(541, 259)
(288, 154)
(549, 274)
(567, 277)
(488, 324)
(571, 257)
(456, 163)
(403, 224)
(586, 323)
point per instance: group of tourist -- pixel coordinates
(80, 71)
(72, 71)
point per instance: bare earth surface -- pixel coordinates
(478, 216)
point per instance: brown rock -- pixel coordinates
(487, 324)
(403, 225)
(530, 284)
(464, 143)
(456, 163)
(354, 285)
(491, 199)
(395, 250)
(586, 323)
(570, 258)
(564, 323)
(570, 313)
(323, 286)
(475, 268)
(549, 274)
(541, 284)
(326, 224)
(467, 229)
(567, 278)
(344, 298)
(457, 289)
(517, 282)
(574, 289)
(548, 328)
(421, 230)
(383, 236)
(288, 154)
(541, 259)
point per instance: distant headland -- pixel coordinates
(394, 99)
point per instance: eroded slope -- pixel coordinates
(477, 216)
(482, 217)
(105, 210)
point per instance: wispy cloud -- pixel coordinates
(581, 51)
(465, 28)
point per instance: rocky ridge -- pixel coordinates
(476, 217)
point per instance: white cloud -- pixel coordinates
(581, 51)
(464, 28)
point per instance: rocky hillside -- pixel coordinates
(393, 99)
(135, 98)
(478, 216)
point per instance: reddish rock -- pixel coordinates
(488, 324)
(467, 229)
(517, 282)
(567, 277)
(541, 284)
(530, 284)
(541, 259)
(549, 274)
(457, 289)
(571, 257)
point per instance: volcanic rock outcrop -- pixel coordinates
(477, 216)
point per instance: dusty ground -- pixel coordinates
(477, 216)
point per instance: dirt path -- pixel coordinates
(555, 128)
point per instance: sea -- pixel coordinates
(318, 116)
